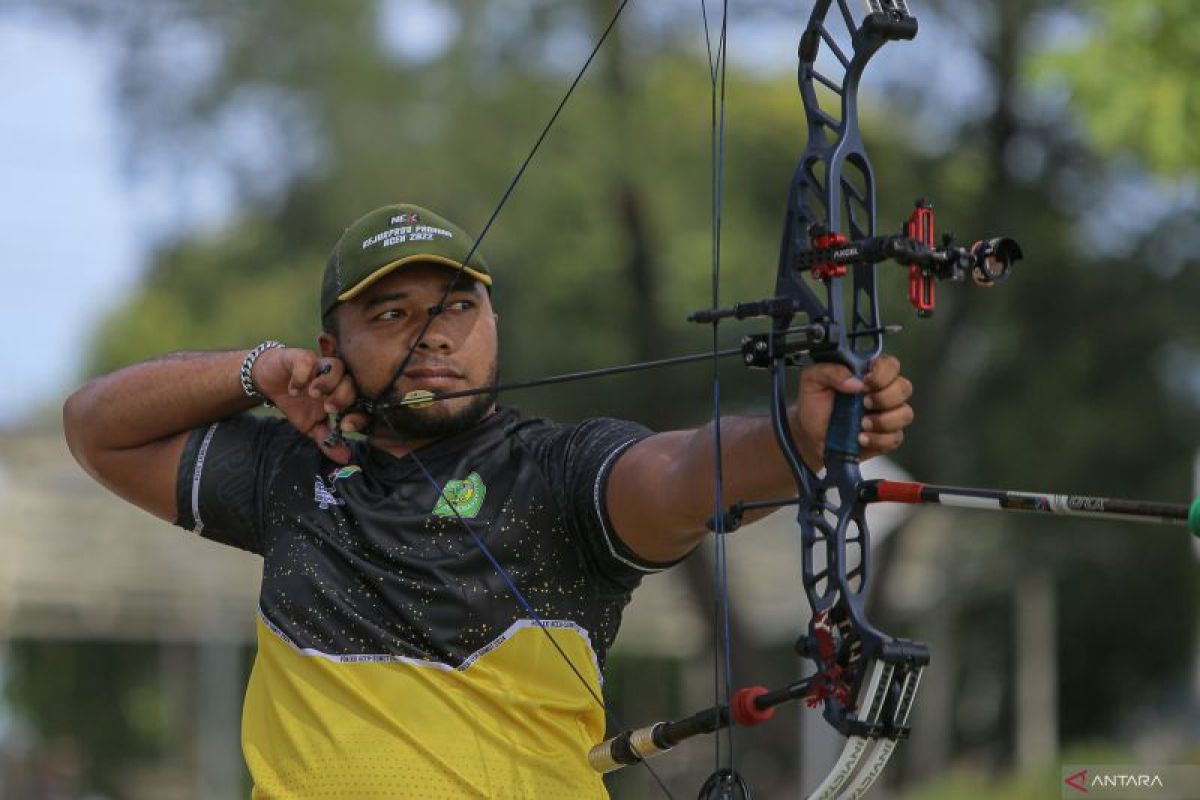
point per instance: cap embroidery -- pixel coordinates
(405, 233)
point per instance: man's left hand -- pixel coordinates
(885, 396)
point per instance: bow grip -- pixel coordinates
(841, 442)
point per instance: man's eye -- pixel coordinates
(392, 313)
(460, 305)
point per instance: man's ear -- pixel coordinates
(327, 343)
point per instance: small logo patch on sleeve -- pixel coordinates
(325, 498)
(344, 472)
(461, 498)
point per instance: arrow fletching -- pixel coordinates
(418, 398)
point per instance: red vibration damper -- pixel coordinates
(899, 491)
(744, 711)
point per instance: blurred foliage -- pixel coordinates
(1131, 76)
(98, 696)
(1079, 375)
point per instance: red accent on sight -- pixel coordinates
(899, 491)
(922, 289)
(743, 710)
(828, 241)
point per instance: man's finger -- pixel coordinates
(884, 370)
(341, 398)
(875, 444)
(895, 394)
(328, 376)
(339, 452)
(358, 421)
(896, 419)
(303, 370)
(819, 377)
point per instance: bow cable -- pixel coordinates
(723, 779)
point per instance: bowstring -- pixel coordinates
(528, 608)
(722, 667)
(381, 401)
(417, 341)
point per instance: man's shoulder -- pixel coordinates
(270, 429)
(588, 433)
(272, 440)
(517, 422)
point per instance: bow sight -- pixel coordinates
(988, 262)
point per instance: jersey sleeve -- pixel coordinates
(224, 473)
(576, 462)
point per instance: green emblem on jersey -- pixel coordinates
(344, 472)
(461, 498)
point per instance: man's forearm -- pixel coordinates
(661, 492)
(150, 401)
(752, 465)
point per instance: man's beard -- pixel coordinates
(434, 422)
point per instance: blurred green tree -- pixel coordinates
(1130, 73)
(1078, 375)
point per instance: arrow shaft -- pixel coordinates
(569, 377)
(1001, 500)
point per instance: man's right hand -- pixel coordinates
(307, 387)
(128, 428)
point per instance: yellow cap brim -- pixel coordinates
(388, 268)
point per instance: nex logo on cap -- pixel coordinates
(405, 219)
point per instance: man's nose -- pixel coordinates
(435, 337)
(435, 340)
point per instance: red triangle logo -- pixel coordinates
(1077, 780)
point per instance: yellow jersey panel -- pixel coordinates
(511, 722)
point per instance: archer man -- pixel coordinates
(438, 596)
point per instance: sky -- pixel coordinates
(76, 229)
(67, 223)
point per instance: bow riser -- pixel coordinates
(832, 202)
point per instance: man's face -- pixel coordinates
(377, 329)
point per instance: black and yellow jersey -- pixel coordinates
(393, 660)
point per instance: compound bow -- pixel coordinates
(826, 274)
(865, 679)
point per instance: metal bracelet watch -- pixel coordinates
(246, 372)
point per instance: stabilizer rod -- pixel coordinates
(749, 706)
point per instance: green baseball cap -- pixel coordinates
(388, 238)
